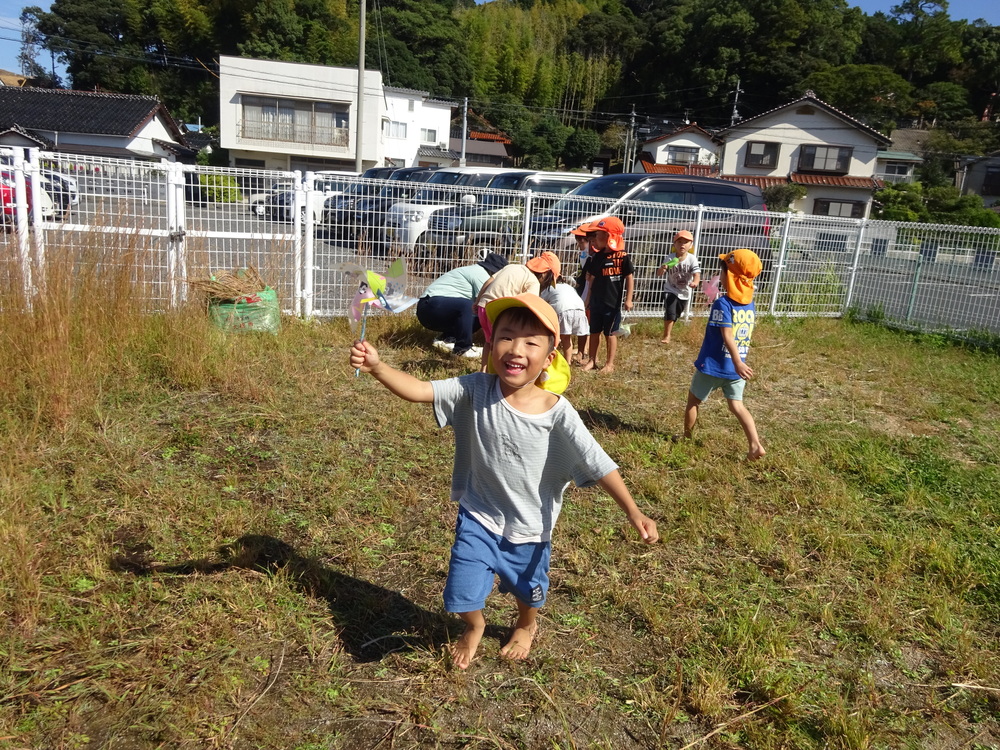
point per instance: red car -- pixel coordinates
(8, 199)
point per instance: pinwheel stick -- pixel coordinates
(364, 323)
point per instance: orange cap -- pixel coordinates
(613, 226)
(741, 268)
(547, 261)
(556, 376)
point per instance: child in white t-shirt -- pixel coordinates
(569, 307)
(683, 272)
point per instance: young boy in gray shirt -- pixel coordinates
(517, 447)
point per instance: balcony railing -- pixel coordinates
(285, 133)
(895, 178)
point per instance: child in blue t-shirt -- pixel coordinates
(721, 361)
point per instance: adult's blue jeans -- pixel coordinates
(452, 316)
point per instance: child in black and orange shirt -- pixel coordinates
(612, 284)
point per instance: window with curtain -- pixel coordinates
(847, 209)
(761, 154)
(825, 159)
(393, 129)
(295, 121)
(682, 155)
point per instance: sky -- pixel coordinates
(10, 11)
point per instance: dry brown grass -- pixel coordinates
(232, 542)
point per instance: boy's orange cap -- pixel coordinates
(741, 268)
(613, 226)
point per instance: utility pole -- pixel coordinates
(358, 166)
(736, 98)
(635, 141)
(465, 125)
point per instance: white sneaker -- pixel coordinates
(445, 346)
(473, 352)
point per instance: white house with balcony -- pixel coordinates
(686, 147)
(810, 143)
(298, 116)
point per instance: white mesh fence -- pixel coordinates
(176, 223)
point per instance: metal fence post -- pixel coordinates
(526, 226)
(699, 218)
(21, 222)
(854, 264)
(913, 287)
(38, 235)
(177, 221)
(782, 251)
(305, 253)
(174, 174)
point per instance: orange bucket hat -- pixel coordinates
(741, 268)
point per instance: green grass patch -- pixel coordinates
(231, 541)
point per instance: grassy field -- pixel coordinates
(231, 542)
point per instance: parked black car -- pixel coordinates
(658, 217)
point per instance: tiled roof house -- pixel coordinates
(810, 143)
(90, 123)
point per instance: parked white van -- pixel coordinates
(406, 223)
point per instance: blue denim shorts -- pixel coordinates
(702, 385)
(478, 555)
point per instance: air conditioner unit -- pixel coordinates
(443, 146)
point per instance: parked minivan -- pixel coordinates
(654, 222)
(494, 223)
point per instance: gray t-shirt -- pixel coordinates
(678, 277)
(511, 468)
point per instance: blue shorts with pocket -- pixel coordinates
(478, 555)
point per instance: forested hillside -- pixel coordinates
(548, 71)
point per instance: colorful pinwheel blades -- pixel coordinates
(385, 292)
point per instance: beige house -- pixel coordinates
(810, 143)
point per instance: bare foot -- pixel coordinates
(756, 452)
(588, 365)
(665, 341)
(607, 369)
(519, 645)
(463, 651)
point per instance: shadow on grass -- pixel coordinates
(373, 621)
(595, 419)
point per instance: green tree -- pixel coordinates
(582, 145)
(901, 202)
(780, 197)
(31, 46)
(946, 205)
(871, 93)
(943, 100)
(936, 205)
(929, 42)
(98, 41)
